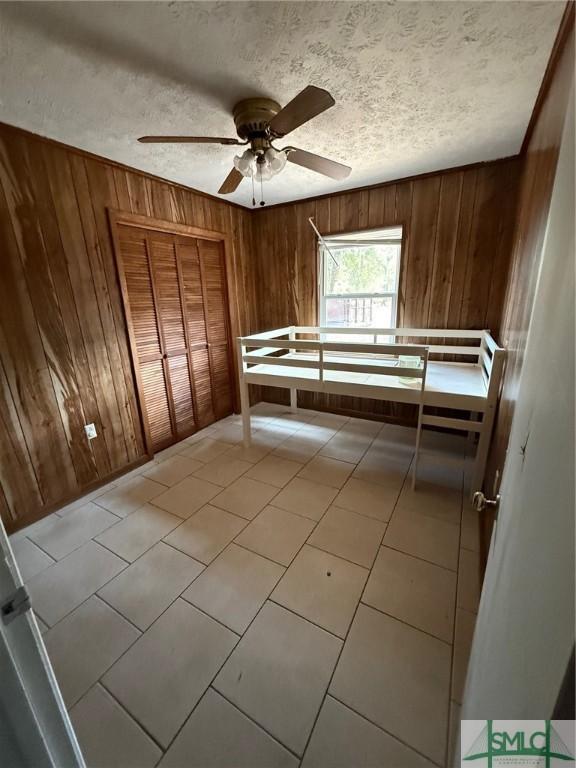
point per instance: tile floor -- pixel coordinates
(295, 603)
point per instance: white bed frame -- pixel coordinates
(279, 358)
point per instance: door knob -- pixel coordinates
(480, 502)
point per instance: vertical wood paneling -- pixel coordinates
(444, 250)
(63, 337)
(456, 253)
(27, 372)
(541, 146)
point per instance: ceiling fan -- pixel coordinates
(259, 122)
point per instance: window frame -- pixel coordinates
(346, 241)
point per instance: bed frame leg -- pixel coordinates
(482, 450)
(417, 451)
(244, 395)
(293, 400)
(245, 406)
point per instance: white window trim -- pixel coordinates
(335, 245)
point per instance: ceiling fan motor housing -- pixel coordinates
(252, 117)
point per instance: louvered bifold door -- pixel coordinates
(173, 333)
(144, 330)
(193, 302)
(213, 275)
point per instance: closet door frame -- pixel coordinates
(117, 218)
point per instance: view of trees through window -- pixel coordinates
(360, 285)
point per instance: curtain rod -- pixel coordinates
(315, 228)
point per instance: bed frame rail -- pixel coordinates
(372, 346)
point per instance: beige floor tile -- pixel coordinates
(470, 529)
(453, 760)
(206, 533)
(435, 501)
(234, 586)
(397, 677)
(440, 471)
(368, 499)
(171, 470)
(305, 498)
(382, 471)
(301, 446)
(63, 586)
(414, 591)
(223, 470)
(129, 496)
(172, 450)
(145, 589)
(206, 450)
(465, 624)
(343, 739)
(318, 431)
(425, 537)
(62, 535)
(133, 474)
(298, 419)
(348, 535)
(395, 434)
(197, 437)
(85, 644)
(393, 453)
(327, 471)
(160, 688)
(329, 420)
(256, 451)
(322, 588)
(346, 447)
(85, 499)
(134, 535)
(363, 427)
(217, 735)
(229, 433)
(108, 736)
(187, 496)
(276, 534)
(29, 558)
(268, 438)
(274, 470)
(469, 586)
(245, 497)
(279, 672)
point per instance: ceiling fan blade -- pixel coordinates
(303, 107)
(231, 182)
(319, 164)
(187, 140)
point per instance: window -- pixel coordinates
(359, 275)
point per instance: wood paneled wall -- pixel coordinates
(539, 160)
(457, 242)
(64, 353)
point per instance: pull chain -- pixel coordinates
(253, 193)
(261, 190)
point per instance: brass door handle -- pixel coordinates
(480, 502)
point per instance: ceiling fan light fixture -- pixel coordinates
(275, 159)
(246, 163)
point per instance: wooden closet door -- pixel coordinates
(193, 301)
(173, 335)
(174, 290)
(213, 274)
(146, 344)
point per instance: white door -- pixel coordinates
(34, 726)
(525, 627)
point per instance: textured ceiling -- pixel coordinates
(419, 86)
